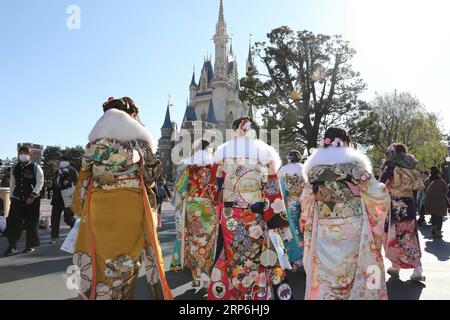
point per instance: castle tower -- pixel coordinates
(166, 145)
(221, 41)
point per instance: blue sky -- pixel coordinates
(53, 80)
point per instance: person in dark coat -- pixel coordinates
(66, 179)
(420, 199)
(26, 182)
(436, 201)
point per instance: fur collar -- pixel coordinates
(118, 125)
(292, 169)
(200, 158)
(332, 156)
(245, 147)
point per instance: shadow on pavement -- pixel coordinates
(404, 290)
(438, 248)
(193, 295)
(426, 232)
(297, 281)
(37, 269)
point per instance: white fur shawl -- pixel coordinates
(200, 158)
(245, 147)
(116, 124)
(292, 169)
(332, 156)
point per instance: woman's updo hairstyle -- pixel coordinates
(125, 104)
(295, 156)
(400, 148)
(336, 137)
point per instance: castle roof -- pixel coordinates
(211, 114)
(190, 114)
(167, 121)
(208, 67)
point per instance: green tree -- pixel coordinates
(404, 119)
(309, 85)
(75, 156)
(50, 158)
(5, 171)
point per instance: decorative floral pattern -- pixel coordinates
(349, 216)
(114, 164)
(84, 262)
(292, 187)
(194, 248)
(402, 241)
(239, 273)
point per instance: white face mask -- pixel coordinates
(64, 164)
(24, 157)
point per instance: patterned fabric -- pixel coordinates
(292, 187)
(248, 267)
(114, 227)
(402, 244)
(196, 222)
(343, 215)
(245, 270)
(114, 164)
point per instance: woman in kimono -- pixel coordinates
(343, 213)
(113, 197)
(197, 218)
(292, 184)
(253, 222)
(402, 244)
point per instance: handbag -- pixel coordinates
(67, 195)
(70, 242)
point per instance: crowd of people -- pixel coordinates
(26, 190)
(242, 220)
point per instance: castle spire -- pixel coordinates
(221, 41)
(221, 15)
(193, 83)
(250, 61)
(167, 121)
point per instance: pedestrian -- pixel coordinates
(421, 200)
(26, 182)
(63, 188)
(436, 201)
(292, 184)
(113, 197)
(343, 213)
(253, 222)
(197, 223)
(162, 193)
(402, 244)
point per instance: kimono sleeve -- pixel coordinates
(83, 181)
(183, 184)
(152, 167)
(307, 201)
(275, 208)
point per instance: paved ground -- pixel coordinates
(41, 275)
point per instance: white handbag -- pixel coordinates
(71, 240)
(67, 196)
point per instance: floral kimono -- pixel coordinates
(253, 225)
(292, 183)
(113, 197)
(343, 213)
(197, 219)
(402, 243)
